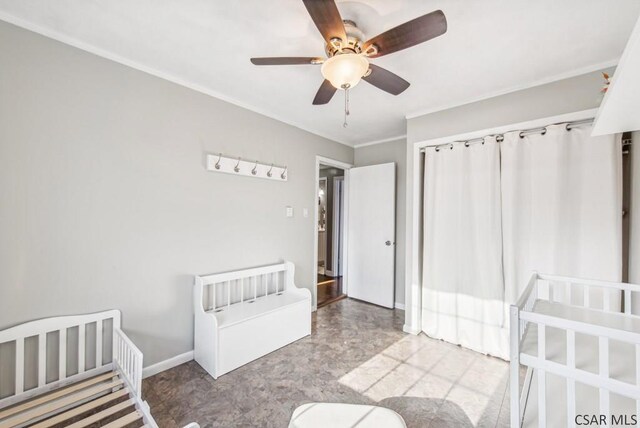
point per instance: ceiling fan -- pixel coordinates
(349, 54)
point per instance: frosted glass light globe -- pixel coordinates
(345, 71)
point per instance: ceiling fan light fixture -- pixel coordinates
(344, 71)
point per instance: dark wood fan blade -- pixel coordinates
(326, 16)
(409, 34)
(325, 93)
(287, 60)
(386, 80)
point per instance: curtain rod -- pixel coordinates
(500, 137)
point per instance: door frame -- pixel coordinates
(326, 241)
(345, 232)
(337, 218)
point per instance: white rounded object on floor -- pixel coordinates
(338, 415)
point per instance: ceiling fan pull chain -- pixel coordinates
(346, 107)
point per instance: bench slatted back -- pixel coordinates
(42, 355)
(228, 288)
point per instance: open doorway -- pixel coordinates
(330, 234)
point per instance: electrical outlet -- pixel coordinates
(289, 211)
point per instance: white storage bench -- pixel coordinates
(242, 315)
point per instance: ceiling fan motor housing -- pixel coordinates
(353, 44)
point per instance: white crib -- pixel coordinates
(243, 315)
(581, 349)
(59, 370)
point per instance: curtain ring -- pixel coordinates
(544, 130)
(254, 171)
(269, 174)
(567, 127)
(237, 167)
(466, 144)
(437, 149)
(217, 165)
(521, 134)
(284, 173)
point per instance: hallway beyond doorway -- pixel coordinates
(329, 290)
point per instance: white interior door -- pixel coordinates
(371, 226)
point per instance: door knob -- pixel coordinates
(387, 243)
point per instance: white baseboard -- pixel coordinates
(167, 364)
(398, 305)
(407, 329)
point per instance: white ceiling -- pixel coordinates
(491, 47)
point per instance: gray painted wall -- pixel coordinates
(560, 97)
(105, 201)
(392, 151)
(563, 96)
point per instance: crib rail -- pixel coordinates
(128, 358)
(215, 292)
(58, 359)
(594, 295)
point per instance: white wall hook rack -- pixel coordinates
(238, 166)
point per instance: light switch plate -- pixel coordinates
(289, 211)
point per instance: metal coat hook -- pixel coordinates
(284, 173)
(269, 174)
(254, 171)
(237, 167)
(217, 165)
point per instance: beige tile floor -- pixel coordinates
(357, 353)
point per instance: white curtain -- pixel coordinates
(561, 206)
(495, 212)
(463, 287)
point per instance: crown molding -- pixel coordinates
(384, 140)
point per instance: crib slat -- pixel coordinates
(254, 281)
(42, 359)
(638, 375)
(62, 360)
(81, 347)
(571, 383)
(542, 355)
(542, 405)
(627, 301)
(277, 281)
(19, 365)
(98, 344)
(228, 286)
(241, 289)
(606, 299)
(586, 296)
(213, 290)
(568, 293)
(603, 358)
